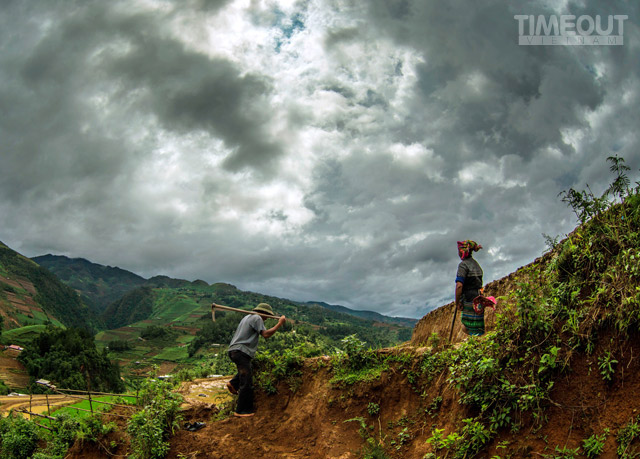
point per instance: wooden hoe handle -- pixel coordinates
(229, 308)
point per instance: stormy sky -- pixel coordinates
(330, 150)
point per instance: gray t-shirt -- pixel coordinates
(247, 335)
(470, 274)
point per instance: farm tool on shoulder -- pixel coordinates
(220, 307)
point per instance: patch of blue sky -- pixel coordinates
(288, 26)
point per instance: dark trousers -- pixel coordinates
(243, 381)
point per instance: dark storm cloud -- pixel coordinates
(190, 91)
(526, 95)
(147, 70)
(144, 136)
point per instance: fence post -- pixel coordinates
(89, 392)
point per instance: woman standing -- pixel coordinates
(468, 285)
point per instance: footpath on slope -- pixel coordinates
(318, 420)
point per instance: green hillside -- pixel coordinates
(99, 285)
(106, 290)
(31, 295)
(162, 321)
(182, 310)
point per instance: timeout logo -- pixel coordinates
(567, 29)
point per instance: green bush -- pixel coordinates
(18, 437)
(357, 363)
(272, 368)
(151, 427)
(280, 359)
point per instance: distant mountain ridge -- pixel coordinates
(369, 315)
(103, 286)
(98, 285)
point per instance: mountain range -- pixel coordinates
(76, 292)
(102, 286)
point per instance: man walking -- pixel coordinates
(242, 350)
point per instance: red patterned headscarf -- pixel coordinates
(466, 248)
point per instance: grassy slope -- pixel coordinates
(30, 294)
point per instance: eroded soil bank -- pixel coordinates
(322, 420)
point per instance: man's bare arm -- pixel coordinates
(270, 332)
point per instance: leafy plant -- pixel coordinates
(500, 418)
(475, 436)
(373, 409)
(626, 436)
(620, 185)
(594, 445)
(548, 360)
(436, 439)
(551, 242)
(607, 364)
(372, 449)
(434, 406)
(440, 442)
(403, 437)
(148, 437)
(565, 453)
(434, 340)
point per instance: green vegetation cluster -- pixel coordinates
(157, 333)
(69, 359)
(152, 426)
(142, 305)
(51, 437)
(324, 329)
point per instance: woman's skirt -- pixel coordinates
(473, 322)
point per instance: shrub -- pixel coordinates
(19, 437)
(151, 427)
